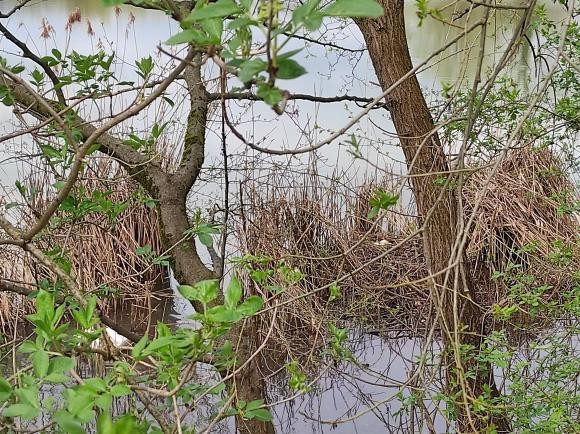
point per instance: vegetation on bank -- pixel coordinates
(481, 265)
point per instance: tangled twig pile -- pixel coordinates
(520, 229)
(97, 239)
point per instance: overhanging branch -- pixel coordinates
(249, 96)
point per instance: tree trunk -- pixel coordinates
(172, 190)
(249, 383)
(387, 45)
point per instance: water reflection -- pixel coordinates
(133, 33)
(361, 397)
(342, 393)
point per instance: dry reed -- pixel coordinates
(102, 251)
(322, 229)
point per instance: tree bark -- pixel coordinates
(460, 320)
(249, 382)
(251, 386)
(172, 193)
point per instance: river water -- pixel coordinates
(347, 399)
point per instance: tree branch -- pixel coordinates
(194, 143)
(32, 56)
(15, 9)
(326, 44)
(178, 8)
(249, 96)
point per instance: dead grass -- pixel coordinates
(322, 229)
(101, 251)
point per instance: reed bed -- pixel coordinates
(101, 250)
(526, 234)
(321, 228)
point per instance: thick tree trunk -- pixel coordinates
(171, 192)
(250, 385)
(387, 44)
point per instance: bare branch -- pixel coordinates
(249, 96)
(32, 56)
(15, 9)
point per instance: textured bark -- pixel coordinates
(249, 383)
(251, 386)
(188, 267)
(387, 45)
(170, 190)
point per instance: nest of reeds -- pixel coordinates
(525, 235)
(107, 248)
(520, 229)
(323, 231)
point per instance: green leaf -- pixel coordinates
(308, 15)
(214, 29)
(260, 414)
(37, 76)
(22, 410)
(205, 239)
(5, 390)
(289, 54)
(204, 291)
(93, 148)
(49, 151)
(90, 309)
(104, 401)
(270, 94)
(60, 364)
(129, 424)
(59, 185)
(56, 53)
(80, 405)
(254, 405)
(233, 293)
(120, 390)
(246, 4)
(289, 69)
(242, 21)
(250, 68)
(56, 378)
(158, 343)
(219, 9)
(354, 9)
(17, 69)
(78, 315)
(68, 422)
(145, 66)
(95, 385)
(334, 292)
(251, 305)
(105, 424)
(223, 314)
(373, 212)
(138, 348)
(27, 347)
(381, 200)
(143, 250)
(40, 362)
(168, 101)
(28, 396)
(190, 36)
(44, 304)
(187, 291)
